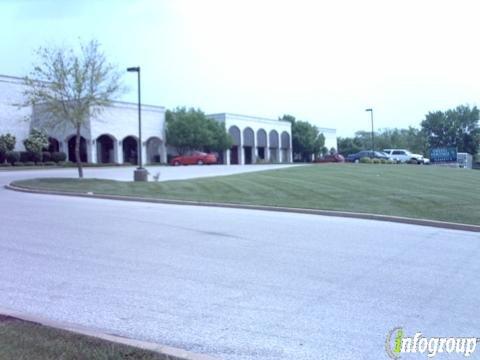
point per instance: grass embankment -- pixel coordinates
(402, 190)
(29, 341)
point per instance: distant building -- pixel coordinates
(111, 137)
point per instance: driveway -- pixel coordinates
(123, 173)
(238, 284)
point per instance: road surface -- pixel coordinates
(238, 284)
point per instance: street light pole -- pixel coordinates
(373, 136)
(140, 174)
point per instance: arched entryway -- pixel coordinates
(248, 145)
(261, 144)
(130, 150)
(235, 149)
(285, 146)
(83, 149)
(273, 146)
(106, 149)
(153, 150)
(53, 145)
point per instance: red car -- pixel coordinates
(331, 158)
(197, 157)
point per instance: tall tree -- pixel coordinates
(71, 86)
(456, 127)
(306, 139)
(190, 129)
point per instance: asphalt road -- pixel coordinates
(237, 284)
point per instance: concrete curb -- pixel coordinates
(166, 352)
(344, 214)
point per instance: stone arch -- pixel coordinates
(248, 145)
(261, 144)
(53, 145)
(71, 149)
(106, 149)
(285, 146)
(273, 143)
(235, 151)
(130, 149)
(154, 144)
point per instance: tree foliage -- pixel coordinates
(71, 86)
(412, 139)
(7, 143)
(36, 141)
(189, 129)
(455, 127)
(306, 139)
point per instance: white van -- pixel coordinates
(404, 156)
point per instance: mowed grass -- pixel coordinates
(21, 340)
(426, 192)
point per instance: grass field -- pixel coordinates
(403, 190)
(21, 340)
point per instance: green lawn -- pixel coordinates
(404, 190)
(21, 340)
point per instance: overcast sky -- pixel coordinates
(321, 61)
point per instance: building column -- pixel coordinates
(280, 157)
(267, 150)
(144, 152)
(241, 158)
(91, 151)
(163, 153)
(119, 152)
(226, 157)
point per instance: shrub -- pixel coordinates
(12, 157)
(5, 165)
(376, 161)
(7, 143)
(36, 141)
(46, 156)
(25, 156)
(2, 157)
(49, 163)
(29, 163)
(383, 161)
(366, 160)
(58, 157)
(36, 157)
(19, 163)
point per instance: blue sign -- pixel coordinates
(445, 154)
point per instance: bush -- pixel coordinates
(366, 160)
(46, 156)
(2, 157)
(376, 161)
(36, 141)
(12, 157)
(7, 143)
(29, 163)
(49, 163)
(19, 163)
(5, 165)
(25, 156)
(58, 157)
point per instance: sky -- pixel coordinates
(322, 61)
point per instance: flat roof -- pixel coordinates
(247, 117)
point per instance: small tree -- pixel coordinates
(36, 141)
(72, 87)
(190, 129)
(7, 143)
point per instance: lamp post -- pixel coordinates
(140, 174)
(373, 141)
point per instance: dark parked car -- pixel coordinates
(335, 158)
(196, 157)
(367, 153)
